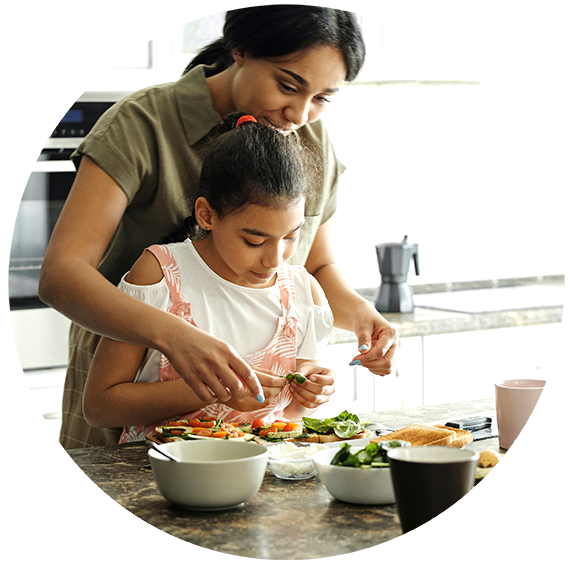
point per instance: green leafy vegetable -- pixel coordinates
(345, 425)
(373, 455)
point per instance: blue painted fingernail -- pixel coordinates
(363, 347)
(354, 363)
(260, 398)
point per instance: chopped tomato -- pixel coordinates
(201, 431)
(291, 427)
(176, 431)
(199, 423)
(177, 424)
(257, 424)
(264, 432)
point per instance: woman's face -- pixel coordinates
(290, 91)
(248, 247)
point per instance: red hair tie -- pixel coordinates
(243, 119)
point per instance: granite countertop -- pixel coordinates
(267, 526)
(425, 321)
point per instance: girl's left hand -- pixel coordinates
(318, 387)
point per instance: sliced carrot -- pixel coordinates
(219, 434)
(176, 431)
(279, 425)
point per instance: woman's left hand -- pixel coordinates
(318, 387)
(378, 342)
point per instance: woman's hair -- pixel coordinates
(279, 30)
(251, 164)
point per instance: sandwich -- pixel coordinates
(425, 435)
(345, 426)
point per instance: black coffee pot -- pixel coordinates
(395, 295)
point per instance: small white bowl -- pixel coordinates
(210, 475)
(293, 461)
(360, 486)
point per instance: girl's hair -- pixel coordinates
(279, 30)
(251, 164)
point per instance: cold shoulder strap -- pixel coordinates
(169, 270)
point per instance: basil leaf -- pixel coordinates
(347, 429)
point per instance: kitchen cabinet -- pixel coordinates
(358, 390)
(137, 62)
(464, 366)
(443, 368)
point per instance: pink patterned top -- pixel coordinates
(279, 356)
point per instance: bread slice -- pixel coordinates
(318, 438)
(420, 435)
(463, 437)
(429, 435)
(334, 438)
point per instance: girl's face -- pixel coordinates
(290, 91)
(248, 247)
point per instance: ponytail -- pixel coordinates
(249, 163)
(217, 53)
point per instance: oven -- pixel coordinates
(44, 196)
(40, 332)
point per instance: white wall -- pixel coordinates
(458, 167)
(482, 175)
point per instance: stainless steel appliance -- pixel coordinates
(44, 196)
(40, 332)
(395, 294)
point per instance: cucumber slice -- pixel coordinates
(285, 434)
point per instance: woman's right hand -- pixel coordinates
(272, 385)
(212, 368)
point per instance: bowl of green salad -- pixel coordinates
(358, 472)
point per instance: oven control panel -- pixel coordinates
(78, 121)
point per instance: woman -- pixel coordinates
(282, 64)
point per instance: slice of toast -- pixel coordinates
(420, 435)
(463, 437)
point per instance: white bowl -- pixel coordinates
(360, 486)
(210, 475)
(292, 462)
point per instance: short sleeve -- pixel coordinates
(323, 204)
(315, 322)
(124, 144)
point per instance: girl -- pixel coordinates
(283, 65)
(233, 282)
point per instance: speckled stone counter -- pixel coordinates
(428, 321)
(285, 520)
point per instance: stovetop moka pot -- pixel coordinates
(395, 295)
